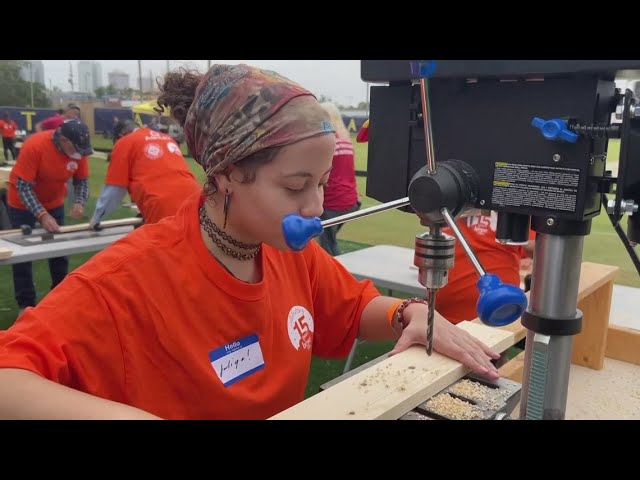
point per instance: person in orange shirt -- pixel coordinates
(208, 314)
(457, 300)
(37, 189)
(8, 128)
(150, 167)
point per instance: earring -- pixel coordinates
(226, 207)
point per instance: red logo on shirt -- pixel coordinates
(300, 327)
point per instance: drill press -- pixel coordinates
(534, 134)
(437, 195)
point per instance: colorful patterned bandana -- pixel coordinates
(239, 110)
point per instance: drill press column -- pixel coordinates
(551, 319)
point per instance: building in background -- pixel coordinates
(89, 76)
(33, 66)
(120, 80)
(149, 84)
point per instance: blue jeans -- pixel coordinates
(25, 291)
(328, 239)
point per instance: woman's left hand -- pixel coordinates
(448, 340)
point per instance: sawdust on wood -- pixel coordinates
(452, 407)
(493, 397)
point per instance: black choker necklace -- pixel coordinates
(215, 233)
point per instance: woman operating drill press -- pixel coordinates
(208, 313)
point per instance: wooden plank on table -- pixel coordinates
(5, 253)
(394, 386)
(81, 227)
(122, 222)
(623, 344)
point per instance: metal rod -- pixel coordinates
(452, 224)
(426, 123)
(366, 212)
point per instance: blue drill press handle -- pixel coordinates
(499, 304)
(555, 129)
(299, 230)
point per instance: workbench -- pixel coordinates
(74, 243)
(387, 266)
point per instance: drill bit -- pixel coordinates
(431, 300)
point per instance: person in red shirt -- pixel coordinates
(72, 112)
(8, 128)
(150, 167)
(37, 189)
(208, 314)
(340, 192)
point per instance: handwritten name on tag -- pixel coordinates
(237, 360)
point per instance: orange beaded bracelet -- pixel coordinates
(398, 315)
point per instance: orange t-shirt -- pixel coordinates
(41, 163)
(154, 321)
(457, 300)
(151, 166)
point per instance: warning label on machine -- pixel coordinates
(538, 186)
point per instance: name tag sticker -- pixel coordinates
(237, 360)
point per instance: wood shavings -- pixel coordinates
(452, 407)
(478, 392)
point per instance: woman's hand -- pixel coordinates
(448, 340)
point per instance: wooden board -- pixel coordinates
(5, 253)
(394, 386)
(590, 344)
(122, 222)
(623, 344)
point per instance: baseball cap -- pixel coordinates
(78, 134)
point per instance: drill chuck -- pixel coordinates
(434, 257)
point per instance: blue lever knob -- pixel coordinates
(423, 68)
(299, 230)
(499, 304)
(555, 129)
